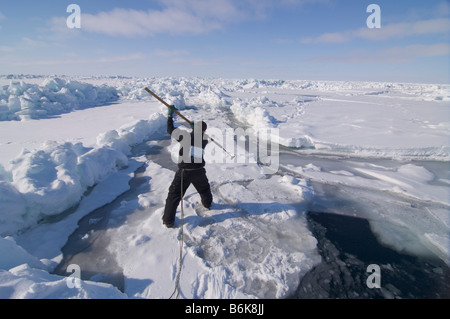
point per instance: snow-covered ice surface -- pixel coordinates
(86, 164)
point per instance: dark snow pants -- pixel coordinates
(195, 177)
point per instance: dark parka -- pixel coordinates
(190, 171)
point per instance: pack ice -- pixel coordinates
(71, 146)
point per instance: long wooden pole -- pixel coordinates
(166, 104)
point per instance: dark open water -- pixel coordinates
(348, 246)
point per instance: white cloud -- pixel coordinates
(443, 8)
(220, 10)
(388, 32)
(396, 54)
(178, 17)
(31, 43)
(193, 61)
(6, 49)
(68, 61)
(56, 30)
(334, 37)
(2, 17)
(410, 52)
(170, 53)
(401, 30)
(128, 22)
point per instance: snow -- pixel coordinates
(73, 145)
(16, 255)
(20, 100)
(24, 282)
(51, 179)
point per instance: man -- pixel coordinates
(191, 168)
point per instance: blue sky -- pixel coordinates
(266, 39)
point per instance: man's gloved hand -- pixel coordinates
(192, 125)
(171, 110)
